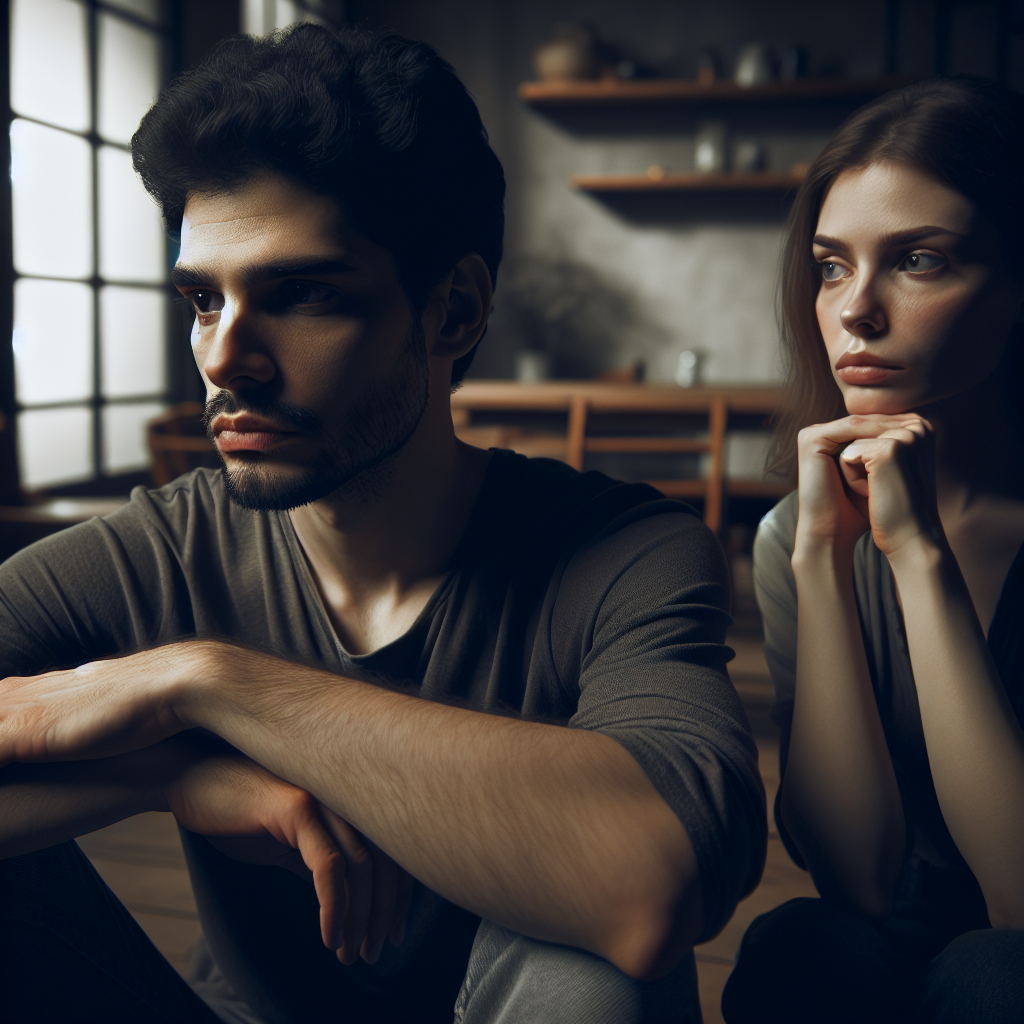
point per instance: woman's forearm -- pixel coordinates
(840, 800)
(45, 804)
(975, 745)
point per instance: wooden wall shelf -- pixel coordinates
(690, 92)
(753, 181)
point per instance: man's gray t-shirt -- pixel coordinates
(571, 599)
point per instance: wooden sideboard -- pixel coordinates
(657, 412)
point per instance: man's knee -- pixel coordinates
(979, 977)
(512, 979)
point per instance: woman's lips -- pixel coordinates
(252, 441)
(866, 374)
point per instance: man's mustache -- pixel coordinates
(304, 420)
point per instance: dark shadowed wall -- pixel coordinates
(600, 286)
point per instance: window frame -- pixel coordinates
(11, 491)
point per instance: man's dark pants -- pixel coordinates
(70, 951)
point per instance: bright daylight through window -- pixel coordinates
(90, 261)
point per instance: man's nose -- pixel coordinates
(864, 314)
(237, 357)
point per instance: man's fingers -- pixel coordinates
(322, 856)
(358, 884)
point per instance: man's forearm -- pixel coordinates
(45, 804)
(554, 832)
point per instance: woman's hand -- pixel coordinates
(253, 816)
(863, 472)
(892, 477)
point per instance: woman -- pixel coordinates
(891, 582)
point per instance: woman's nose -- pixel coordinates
(236, 358)
(864, 316)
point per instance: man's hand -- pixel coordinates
(99, 709)
(253, 816)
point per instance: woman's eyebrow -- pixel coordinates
(916, 234)
(894, 238)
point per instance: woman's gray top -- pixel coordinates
(928, 839)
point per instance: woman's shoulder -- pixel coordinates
(777, 531)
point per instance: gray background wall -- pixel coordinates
(600, 285)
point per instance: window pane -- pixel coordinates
(151, 10)
(124, 435)
(49, 69)
(52, 341)
(133, 325)
(54, 446)
(51, 177)
(131, 232)
(129, 76)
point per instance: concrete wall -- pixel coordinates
(597, 285)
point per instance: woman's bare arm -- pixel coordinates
(839, 797)
(840, 800)
(975, 745)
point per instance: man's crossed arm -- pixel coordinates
(556, 833)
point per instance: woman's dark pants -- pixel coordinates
(807, 961)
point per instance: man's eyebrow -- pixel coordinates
(895, 238)
(183, 276)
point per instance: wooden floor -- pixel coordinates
(141, 858)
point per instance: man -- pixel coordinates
(403, 657)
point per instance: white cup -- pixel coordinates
(688, 369)
(532, 366)
(754, 65)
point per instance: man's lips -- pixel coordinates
(250, 433)
(865, 368)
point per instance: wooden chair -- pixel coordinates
(581, 401)
(178, 443)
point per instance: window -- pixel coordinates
(89, 252)
(260, 16)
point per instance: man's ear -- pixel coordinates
(458, 308)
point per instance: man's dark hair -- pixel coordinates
(379, 123)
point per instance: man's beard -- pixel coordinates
(377, 425)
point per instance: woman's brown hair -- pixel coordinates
(964, 131)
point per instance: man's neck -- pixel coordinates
(379, 546)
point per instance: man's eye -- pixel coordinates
(921, 263)
(207, 302)
(305, 293)
(832, 271)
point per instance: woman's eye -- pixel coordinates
(207, 302)
(306, 293)
(832, 271)
(921, 263)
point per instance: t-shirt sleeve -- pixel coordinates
(103, 587)
(646, 603)
(775, 587)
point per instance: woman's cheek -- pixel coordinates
(828, 308)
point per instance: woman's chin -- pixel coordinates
(877, 402)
